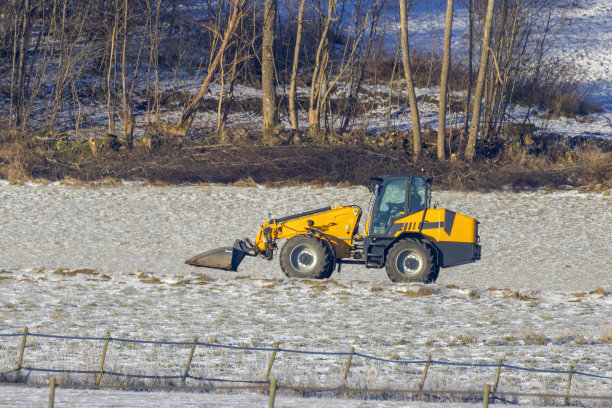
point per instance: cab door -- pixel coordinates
(391, 202)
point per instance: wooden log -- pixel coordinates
(195, 340)
(22, 349)
(271, 362)
(99, 377)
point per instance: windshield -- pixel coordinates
(390, 204)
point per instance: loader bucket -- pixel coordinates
(226, 258)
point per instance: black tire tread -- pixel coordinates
(323, 272)
(432, 269)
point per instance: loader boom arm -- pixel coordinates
(337, 223)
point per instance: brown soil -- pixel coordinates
(552, 163)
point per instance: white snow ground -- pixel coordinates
(540, 297)
(21, 396)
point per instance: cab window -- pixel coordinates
(417, 195)
(390, 204)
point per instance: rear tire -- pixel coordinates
(306, 257)
(411, 260)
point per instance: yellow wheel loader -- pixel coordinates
(403, 233)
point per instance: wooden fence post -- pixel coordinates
(193, 346)
(269, 369)
(569, 384)
(348, 365)
(272, 393)
(22, 349)
(485, 396)
(497, 374)
(99, 377)
(51, 392)
(422, 384)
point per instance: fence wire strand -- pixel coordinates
(267, 349)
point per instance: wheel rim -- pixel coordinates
(303, 258)
(409, 263)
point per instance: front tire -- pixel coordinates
(411, 260)
(306, 257)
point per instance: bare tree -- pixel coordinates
(320, 70)
(153, 98)
(72, 53)
(22, 26)
(470, 70)
(110, 102)
(326, 75)
(359, 60)
(470, 150)
(268, 88)
(241, 54)
(518, 42)
(448, 26)
(414, 109)
(30, 56)
(190, 108)
(294, 68)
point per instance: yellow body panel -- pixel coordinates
(338, 224)
(440, 224)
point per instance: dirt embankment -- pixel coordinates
(553, 162)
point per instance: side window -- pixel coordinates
(417, 195)
(390, 204)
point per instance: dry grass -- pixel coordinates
(606, 335)
(519, 296)
(521, 161)
(109, 181)
(246, 182)
(71, 181)
(68, 272)
(331, 282)
(535, 338)
(420, 292)
(463, 339)
(473, 294)
(204, 278)
(597, 168)
(599, 291)
(145, 278)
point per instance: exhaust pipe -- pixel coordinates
(225, 258)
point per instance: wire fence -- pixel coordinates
(206, 383)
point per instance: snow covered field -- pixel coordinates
(81, 260)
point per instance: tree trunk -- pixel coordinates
(229, 98)
(189, 110)
(444, 80)
(128, 119)
(296, 58)
(24, 41)
(470, 150)
(110, 105)
(318, 76)
(414, 110)
(468, 98)
(268, 90)
(58, 80)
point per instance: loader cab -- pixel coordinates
(395, 197)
